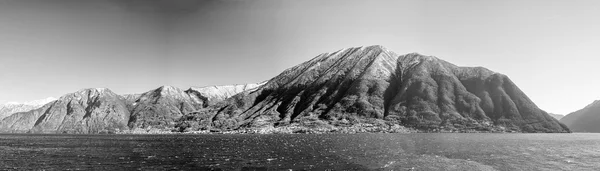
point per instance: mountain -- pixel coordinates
(372, 85)
(584, 120)
(556, 116)
(162, 107)
(159, 108)
(14, 107)
(213, 94)
(100, 110)
(85, 111)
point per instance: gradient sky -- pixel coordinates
(550, 49)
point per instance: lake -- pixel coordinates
(427, 151)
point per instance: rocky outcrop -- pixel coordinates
(354, 85)
(14, 107)
(584, 120)
(87, 111)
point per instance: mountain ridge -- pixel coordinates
(88, 111)
(358, 89)
(413, 90)
(15, 107)
(99, 110)
(585, 119)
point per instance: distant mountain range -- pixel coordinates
(219, 93)
(361, 89)
(584, 120)
(14, 107)
(99, 110)
(556, 116)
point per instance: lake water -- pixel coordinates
(302, 152)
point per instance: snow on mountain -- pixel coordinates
(224, 91)
(15, 107)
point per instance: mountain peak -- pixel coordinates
(168, 90)
(98, 90)
(414, 90)
(593, 104)
(167, 87)
(88, 93)
(417, 56)
(379, 47)
(585, 119)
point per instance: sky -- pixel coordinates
(548, 48)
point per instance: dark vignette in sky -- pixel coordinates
(53, 47)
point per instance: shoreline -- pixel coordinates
(296, 129)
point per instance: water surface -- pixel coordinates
(302, 152)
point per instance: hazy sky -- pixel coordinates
(550, 49)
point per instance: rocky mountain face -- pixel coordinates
(556, 116)
(365, 87)
(212, 94)
(160, 108)
(374, 85)
(102, 111)
(14, 107)
(584, 120)
(86, 111)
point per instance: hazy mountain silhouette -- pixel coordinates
(556, 116)
(15, 107)
(584, 120)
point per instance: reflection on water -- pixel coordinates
(302, 152)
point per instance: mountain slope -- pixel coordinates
(584, 120)
(556, 116)
(85, 111)
(11, 108)
(159, 108)
(213, 94)
(100, 110)
(358, 84)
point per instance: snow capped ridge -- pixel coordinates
(168, 88)
(41, 101)
(87, 93)
(243, 86)
(38, 102)
(16, 107)
(174, 92)
(94, 90)
(224, 91)
(12, 103)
